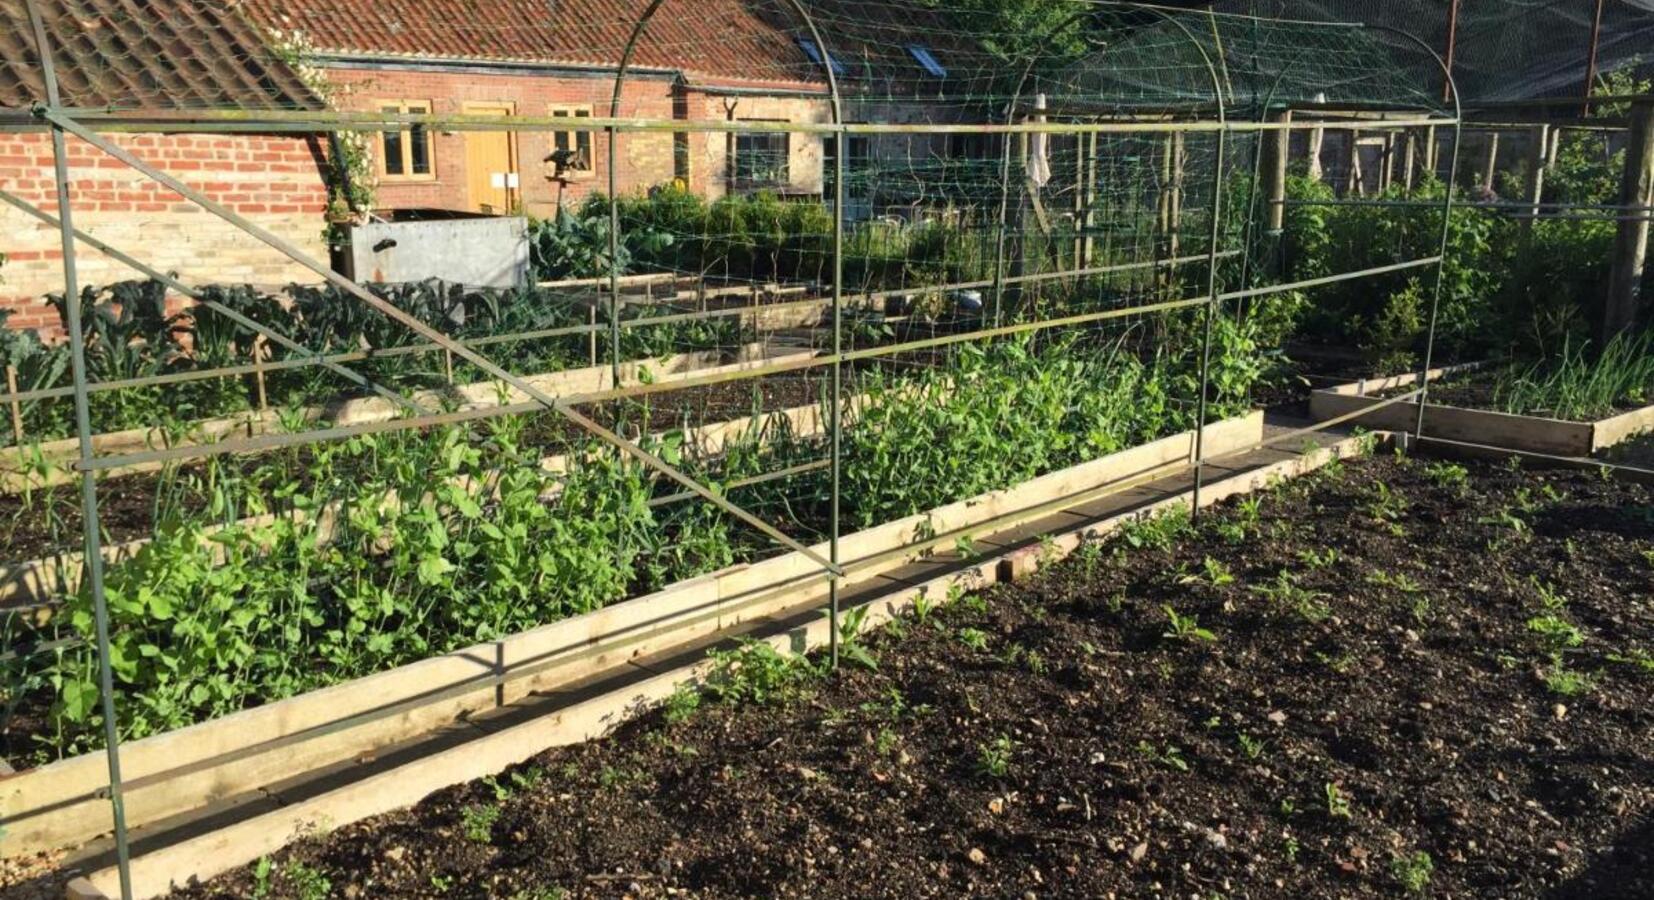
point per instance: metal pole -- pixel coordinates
(837, 414)
(1441, 277)
(614, 258)
(1449, 91)
(1591, 60)
(1211, 315)
(90, 528)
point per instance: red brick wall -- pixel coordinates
(273, 180)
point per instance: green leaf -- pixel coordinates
(432, 568)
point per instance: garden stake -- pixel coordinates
(16, 405)
(258, 373)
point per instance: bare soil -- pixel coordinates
(1392, 703)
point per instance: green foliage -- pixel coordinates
(1186, 628)
(1578, 384)
(477, 822)
(1386, 315)
(993, 759)
(1413, 870)
(756, 672)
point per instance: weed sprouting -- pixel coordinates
(1169, 756)
(1566, 682)
(477, 821)
(1448, 475)
(681, 704)
(1213, 573)
(974, 638)
(1186, 628)
(1251, 747)
(993, 759)
(1338, 804)
(1413, 870)
(756, 672)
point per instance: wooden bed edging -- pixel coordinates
(361, 410)
(1535, 434)
(60, 804)
(209, 855)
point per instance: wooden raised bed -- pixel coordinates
(204, 856)
(62, 453)
(60, 804)
(1532, 434)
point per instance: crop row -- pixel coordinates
(482, 546)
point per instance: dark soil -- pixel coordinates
(1397, 705)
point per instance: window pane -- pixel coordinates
(583, 140)
(392, 147)
(419, 149)
(761, 159)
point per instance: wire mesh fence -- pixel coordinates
(797, 271)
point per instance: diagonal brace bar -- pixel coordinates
(390, 311)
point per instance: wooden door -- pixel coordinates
(493, 185)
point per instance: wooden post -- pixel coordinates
(1631, 244)
(591, 336)
(16, 405)
(1409, 160)
(258, 373)
(1317, 140)
(1089, 250)
(1540, 141)
(1178, 161)
(1352, 165)
(1386, 171)
(1430, 159)
(1279, 147)
(1491, 164)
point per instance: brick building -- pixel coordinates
(191, 56)
(698, 60)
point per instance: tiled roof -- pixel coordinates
(723, 39)
(730, 41)
(145, 54)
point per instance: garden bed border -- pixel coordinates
(1534, 434)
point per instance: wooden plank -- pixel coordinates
(212, 854)
(1453, 423)
(1617, 429)
(1533, 434)
(58, 804)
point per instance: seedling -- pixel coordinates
(1319, 559)
(1557, 633)
(1338, 805)
(1448, 475)
(307, 883)
(1213, 573)
(1186, 628)
(850, 646)
(477, 821)
(994, 758)
(681, 705)
(261, 878)
(1413, 870)
(1566, 682)
(974, 638)
(1251, 747)
(1171, 756)
(756, 672)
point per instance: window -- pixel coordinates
(858, 164)
(572, 150)
(406, 155)
(928, 60)
(761, 159)
(813, 51)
